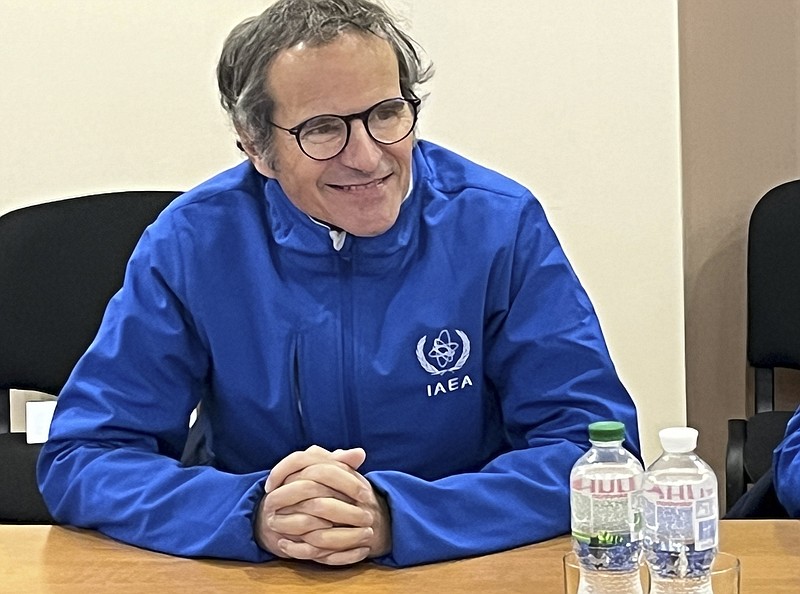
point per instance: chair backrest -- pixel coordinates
(773, 288)
(60, 263)
(764, 432)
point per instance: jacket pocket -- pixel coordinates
(297, 394)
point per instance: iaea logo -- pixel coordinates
(443, 352)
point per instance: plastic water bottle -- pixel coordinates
(681, 516)
(605, 487)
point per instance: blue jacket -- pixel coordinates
(786, 464)
(458, 349)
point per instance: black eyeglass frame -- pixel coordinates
(414, 102)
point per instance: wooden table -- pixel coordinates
(58, 559)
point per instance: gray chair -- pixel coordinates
(60, 263)
(773, 333)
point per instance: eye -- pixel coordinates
(322, 130)
(388, 111)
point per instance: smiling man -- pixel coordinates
(352, 173)
(391, 356)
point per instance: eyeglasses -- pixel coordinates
(324, 136)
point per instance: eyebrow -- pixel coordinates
(347, 115)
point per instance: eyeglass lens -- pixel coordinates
(387, 122)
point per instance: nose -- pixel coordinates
(362, 152)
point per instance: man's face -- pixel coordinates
(361, 189)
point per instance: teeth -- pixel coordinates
(371, 184)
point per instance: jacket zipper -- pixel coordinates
(349, 353)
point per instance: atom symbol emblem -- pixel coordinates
(443, 352)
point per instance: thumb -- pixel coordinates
(353, 457)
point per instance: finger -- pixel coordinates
(333, 510)
(294, 462)
(303, 474)
(334, 462)
(296, 524)
(322, 543)
(354, 457)
(345, 557)
(299, 550)
(344, 480)
(299, 491)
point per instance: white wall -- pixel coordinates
(108, 95)
(577, 99)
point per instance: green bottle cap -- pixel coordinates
(606, 431)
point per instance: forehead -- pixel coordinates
(348, 74)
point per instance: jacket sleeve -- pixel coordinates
(786, 463)
(546, 360)
(112, 461)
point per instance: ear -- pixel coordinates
(257, 159)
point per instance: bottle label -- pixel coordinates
(705, 524)
(612, 486)
(682, 514)
(680, 492)
(611, 518)
(606, 522)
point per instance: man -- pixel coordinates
(786, 465)
(391, 355)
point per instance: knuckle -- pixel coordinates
(316, 450)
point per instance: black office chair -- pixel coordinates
(749, 457)
(773, 332)
(60, 263)
(773, 288)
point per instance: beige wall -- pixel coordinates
(106, 95)
(740, 105)
(578, 100)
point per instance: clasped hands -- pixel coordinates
(318, 507)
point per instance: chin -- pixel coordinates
(371, 228)
(371, 222)
(368, 231)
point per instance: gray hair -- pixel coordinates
(255, 42)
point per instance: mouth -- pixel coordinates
(357, 188)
